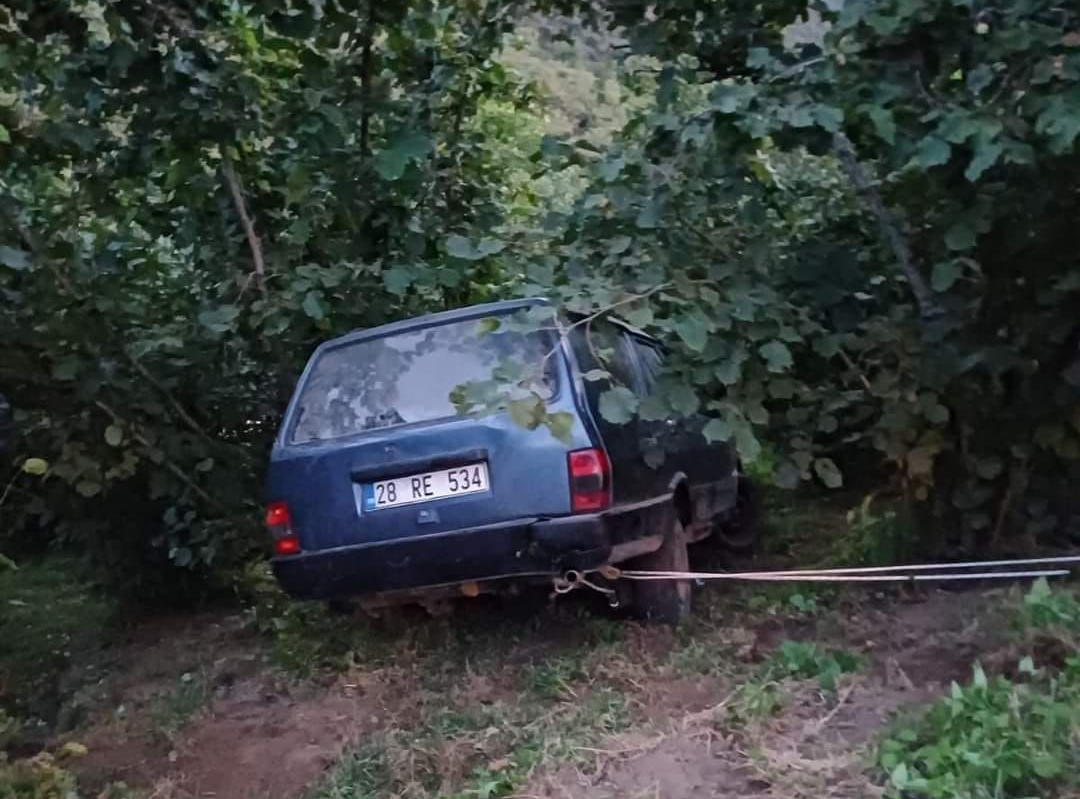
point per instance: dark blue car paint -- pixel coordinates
(521, 526)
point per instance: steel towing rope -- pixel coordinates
(923, 572)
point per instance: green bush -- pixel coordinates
(45, 776)
(879, 536)
(1049, 610)
(998, 737)
(39, 777)
(991, 738)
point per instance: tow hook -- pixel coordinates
(572, 579)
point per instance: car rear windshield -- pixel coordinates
(409, 377)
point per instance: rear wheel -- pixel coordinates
(741, 530)
(665, 601)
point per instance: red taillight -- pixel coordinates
(287, 546)
(590, 480)
(277, 515)
(279, 524)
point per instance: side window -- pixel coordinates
(604, 346)
(651, 358)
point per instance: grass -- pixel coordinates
(176, 708)
(697, 656)
(49, 617)
(1000, 736)
(487, 752)
(761, 695)
(306, 638)
(567, 695)
(586, 683)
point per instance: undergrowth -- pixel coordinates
(761, 695)
(880, 534)
(999, 736)
(39, 777)
(47, 776)
(50, 616)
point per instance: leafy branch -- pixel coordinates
(845, 151)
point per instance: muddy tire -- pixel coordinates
(741, 531)
(664, 601)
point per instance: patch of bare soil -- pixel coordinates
(256, 741)
(268, 746)
(257, 735)
(816, 746)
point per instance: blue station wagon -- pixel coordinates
(381, 489)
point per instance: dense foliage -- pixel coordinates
(862, 241)
(858, 240)
(191, 198)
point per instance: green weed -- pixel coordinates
(551, 678)
(756, 699)
(877, 537)
(179, 705)
(699, 657)
(997, 737)
(1049, 610)
(992, 738)
(806, 661)
(606, 632)
(762, 470)
(362, 774)
(40, 777)
(760, 697)
(306, 637)
(47, 776)
(792, 599)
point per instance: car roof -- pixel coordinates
(444, 317)
(440, 318)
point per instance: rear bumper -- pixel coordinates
(522, 548)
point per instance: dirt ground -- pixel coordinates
(258, 733)
(813, 747)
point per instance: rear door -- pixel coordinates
(375, 446)
(603, 345)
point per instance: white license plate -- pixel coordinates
(470, 479)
